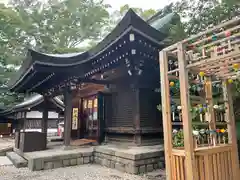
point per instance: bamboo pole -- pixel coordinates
(232, 134)
(187, 125)
(166, 113)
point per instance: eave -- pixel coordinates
(38, 66)
(31, 103)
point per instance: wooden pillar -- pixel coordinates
(232, 134)
(17, 132)
(137, 136)
(210, 113)
(186, 116)
(18, 124)
(67, 116)
(80, 133)
(44, 125)
(23, 120)
(166, 113)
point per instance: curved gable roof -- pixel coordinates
(32, 102)
(131, 21)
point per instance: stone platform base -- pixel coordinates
(56, 158)
(17, 160)
(134, 160)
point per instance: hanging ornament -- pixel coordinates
(195, 132)
(227, 33)
(222, 130)
(191, 46)
(175, 131)
(201, 74)
(236, 67)
(180, 114)
(202, 131)
(216, 106)
(179, 108)
(230, 81)
(214, 37)
(173, 112)
(171, 84)
(205, 107)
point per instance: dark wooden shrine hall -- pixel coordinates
(113, 84)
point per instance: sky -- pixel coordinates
(145, 4)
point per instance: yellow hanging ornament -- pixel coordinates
(235, 67)
(201, 74)
(222, 130)
(230, 81)
(171, 83)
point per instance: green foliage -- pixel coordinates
(62, 26)
(178, 139)
(53, 26)
(117, 15)
(145, 14)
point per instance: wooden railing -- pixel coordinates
(212, 163)
(178, 164)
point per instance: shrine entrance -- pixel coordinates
(88, 113)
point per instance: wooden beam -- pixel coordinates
(94, 81)
(187, 120)
(233, 21)
(204, 62)
(166, 113)
(232, 134)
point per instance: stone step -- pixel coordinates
(17, 160)
(158, 174)
(4, 150)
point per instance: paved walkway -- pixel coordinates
(4, 161)
(6, 142)
(83, 172)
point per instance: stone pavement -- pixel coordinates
(6, 142)
(4, 161)
(83, 172)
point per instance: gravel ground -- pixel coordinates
(84, 172)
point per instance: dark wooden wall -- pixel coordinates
(36, 123)
(150, 117)
(123, 106)
(122, 113)
(120, 110)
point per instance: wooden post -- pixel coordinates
(24, 121)
(210, 114)
(137, 136)
(45, 117)
(232, 134)
(166, 113)
(186, 116)
(67, 116)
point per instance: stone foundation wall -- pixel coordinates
(133, 160)
(53, 162)
(130, 163)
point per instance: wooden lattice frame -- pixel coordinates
(217, 50)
